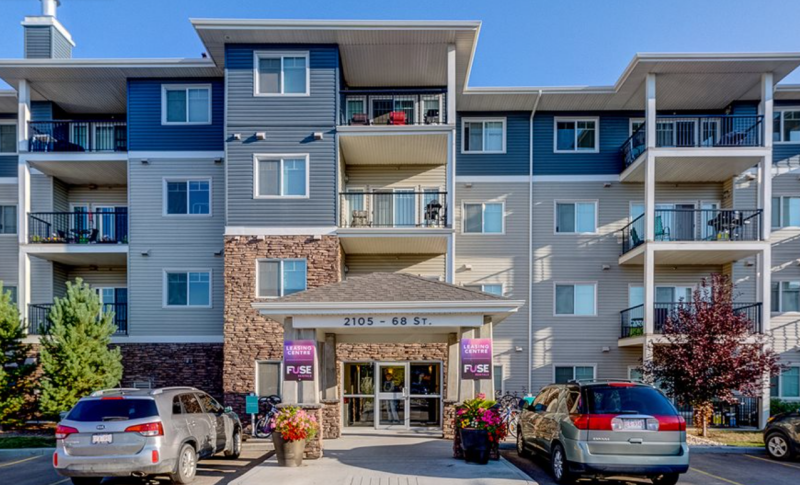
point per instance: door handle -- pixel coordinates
(636, 441)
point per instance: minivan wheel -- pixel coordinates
(521, 450)
(86, 480)
(666, 479)
(559, 466)
(778, 447)
(236, 445)
(187, 465)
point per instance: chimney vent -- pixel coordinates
(45, 37)
(49, 7)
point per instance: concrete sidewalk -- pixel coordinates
(386, 460)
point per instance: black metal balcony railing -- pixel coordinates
(39, 317)
(393, 107)
(696, 225)
(678, 131)
(99, 227)
(632, 319)
(78, 136)
(393, 209)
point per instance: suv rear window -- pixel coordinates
(627, 400)
(113, 409)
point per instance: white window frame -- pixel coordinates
(280, 157)
(165, 195)
(780, 386)
(631, 121)
(165, 288)
(15, 206)
(16, 138)
(780, 309)
(574, 283)
(779, 211)
(482, 287)
(631, 368)
(482, 203)
(594, 119)
(593, 366)
(464, 122)
(283, 286)
(280, 55)
(502, 378)
(576, 201)
(782, 110)
(280, 374)
(184, 87)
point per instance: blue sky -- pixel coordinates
(522, 42)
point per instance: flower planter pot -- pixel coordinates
(289, 453)
(475, 445)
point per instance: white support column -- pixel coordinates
(766, 107)
(450, 260)
(649, 289)
(24, 284)
(450, 203)
(765, 288)
(649, 196)
(650, 110)
(451, 84)
(23, 114)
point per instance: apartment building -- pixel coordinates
(340, 182)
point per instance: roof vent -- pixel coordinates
(49, 7)
(45, 37)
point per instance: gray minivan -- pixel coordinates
(605, 429)
(131, 432)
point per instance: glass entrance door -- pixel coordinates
(392, 396)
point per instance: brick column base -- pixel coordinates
(449, 420)
(332, 419)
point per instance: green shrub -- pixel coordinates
(776, 406)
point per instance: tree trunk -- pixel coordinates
(702, 415)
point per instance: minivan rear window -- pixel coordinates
(113, 409)
(627, 400)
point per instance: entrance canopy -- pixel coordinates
(389, 302)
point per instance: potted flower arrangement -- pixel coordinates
(291, 429)
(480, 429)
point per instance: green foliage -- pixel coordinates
(76, 358)
(15, 382)
(777, 406)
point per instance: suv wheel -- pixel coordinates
(236, 445)
(187, 465)
(666, 479)
(778, 447)
(521, 450)
(560, 467)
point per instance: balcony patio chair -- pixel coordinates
(360, 218)
(661, 232)
(359, 119)
(93, 236)
(635, 239)
(433, 213)
(397, 118)
(432, 117)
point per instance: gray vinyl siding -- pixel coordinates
(41, 193)
(8, 166)
(500, 259)
(744, 273)
(418, 177)
(38, 41)
(62, 49)
(41, 280)
(9, 245)
(60, 196)
(173, 242)
(60, 278)
(417, 264)
(108, 277)
(101, 196)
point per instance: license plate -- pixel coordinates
(102, 439)
(633, 424)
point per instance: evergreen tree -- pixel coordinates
(15, 374)
(76, 357)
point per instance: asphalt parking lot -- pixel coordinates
(38, 470)
(705, 469)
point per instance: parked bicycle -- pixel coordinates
(509, 410)
(270, 408)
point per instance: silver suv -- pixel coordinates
(132, 432)
(604, 429)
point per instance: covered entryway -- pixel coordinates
(391, 352)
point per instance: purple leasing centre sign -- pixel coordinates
(476, 358)
(298, 360)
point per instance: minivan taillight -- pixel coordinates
(64, 431)
(595, 422)
(671, 423)
(148, 429)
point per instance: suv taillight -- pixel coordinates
(148, 429)
(64, 431)
(596, 422)
(671, 423)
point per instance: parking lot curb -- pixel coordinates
(23, 452)
(727, 450)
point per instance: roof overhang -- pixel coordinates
(96, 85)
(8, 101)
(373, 52)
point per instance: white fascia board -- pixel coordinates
(279, 231)
(74, 248)
(178, 62)
(9, 180)
(285, 24)
(176, 154)
(392, 307)
(73, 157)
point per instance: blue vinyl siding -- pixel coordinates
(516, 159)
(41, 111)
(613, 131)
(145, 131)
(38, 42)
(8, 165)
(782, 152)
(62, 49)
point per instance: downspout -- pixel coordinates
(530, 246)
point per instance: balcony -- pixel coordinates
(394, 222)
(708, 148)
(99, 227)
(77, 136)
(393, 107)
(632, 319)
(723, 235)
(39, 321)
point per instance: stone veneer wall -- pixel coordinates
(248, 335)
(331, 420)
(174, 364)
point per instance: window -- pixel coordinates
(12, 292)
(8, 219)
(280, 277)
(185, 104)
(187, 288)
(497, 373)
(281, 74)
(268, 378)
(190, 404)
(493, 289)
(635, 374)
(281, 176)
(575, 299)
(786, 126)
(564, 374)
(483, 136)
(8, 136)
(576, 135)
(576, 217)
(785, 212)
(187, 197)
(787, 385)
(785, 296)
(210, 404)
(484, 218)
